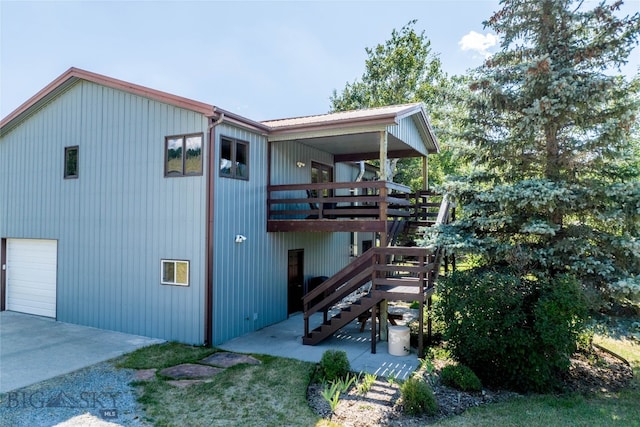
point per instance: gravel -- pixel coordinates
(96, 396)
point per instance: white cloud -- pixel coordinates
(479, 43)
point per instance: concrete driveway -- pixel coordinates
(34, 349)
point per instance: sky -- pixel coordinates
(261, 59)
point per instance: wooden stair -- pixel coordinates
(386, 268)
(343, 318)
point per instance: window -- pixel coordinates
(183, 155)
(234, 158)
(175, 272)
(70, 162)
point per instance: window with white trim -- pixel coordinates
(174, 272)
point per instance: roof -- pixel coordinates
(342, 133)
(363, 116)
(72, 75)
(347, 128)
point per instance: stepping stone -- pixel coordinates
(145, 374)
(190, 370)
(226, 360)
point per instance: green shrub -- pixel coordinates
(417, 397)
(585, 341)
(334, 365)
(511, 331)
(460, 377)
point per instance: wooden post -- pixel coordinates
(425, 173)
(453, 255)
(373, 309)
(384, 176)
(384, 320)
(306, 324)
(384, 172)
(383, 206)
(421, 263)
(446, 261)
(430, 285)
(429, 318)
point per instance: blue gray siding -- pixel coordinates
(408, 132)
(122, 216)
(119, 218)
(250, 278)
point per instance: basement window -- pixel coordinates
(234, 158)
(71, 162)
(175, 272)
(183, 155)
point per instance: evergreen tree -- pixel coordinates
(552, 134)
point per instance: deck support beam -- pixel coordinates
(384, 166)
(384, 320)
(425, 173)
(384, 176)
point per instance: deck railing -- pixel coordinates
(334, 200)
(395, 273)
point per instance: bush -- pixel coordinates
(418, 397)
(460, 377)
(511, 331)
(334, 365)
(584, 343)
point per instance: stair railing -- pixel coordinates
(338, 286)
(378, 265)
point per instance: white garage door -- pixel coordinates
(31, 276)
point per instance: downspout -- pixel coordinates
(209, 248)
(361, 174)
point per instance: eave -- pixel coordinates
(73, 75)
(355, 135)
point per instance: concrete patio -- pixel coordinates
(284, 339)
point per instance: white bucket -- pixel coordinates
(399, 340)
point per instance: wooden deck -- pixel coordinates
(348, 206)
(395, 273)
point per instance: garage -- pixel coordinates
(31, 270)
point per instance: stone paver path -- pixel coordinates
(190, 370)
(187, 374)
(227, 360)
(145, 374)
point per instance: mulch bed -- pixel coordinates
(600, 371)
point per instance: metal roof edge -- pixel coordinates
(419, 110)
(375, 123)
(76, 73)
(239, 120)
(373, 118)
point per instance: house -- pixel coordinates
(134, 210)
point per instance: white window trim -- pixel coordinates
(175, 268)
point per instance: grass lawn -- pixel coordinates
(274, 394)
(270, 394)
